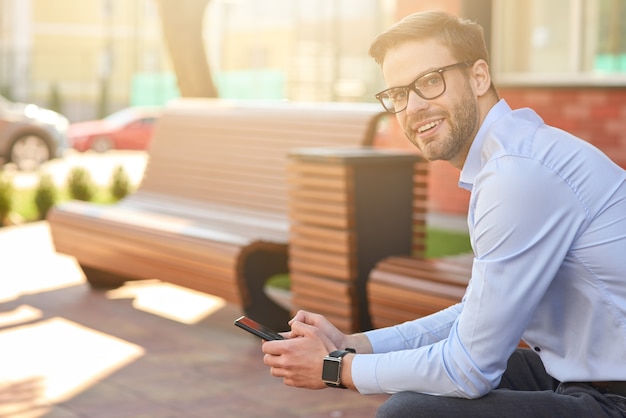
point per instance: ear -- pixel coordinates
(481, 78)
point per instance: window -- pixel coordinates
(610, 44)
(559, 41)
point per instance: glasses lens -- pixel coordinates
(395, 99)
(430, 85)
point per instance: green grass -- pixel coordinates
(440, 243)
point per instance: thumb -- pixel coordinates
(301, 316)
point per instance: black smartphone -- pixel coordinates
(257, 329)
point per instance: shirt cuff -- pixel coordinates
(364, 373)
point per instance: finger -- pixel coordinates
(275, 347)
(308, 318)
(278, 372)
(286, 335)
(311, 333)
(299, 317)
(303, 329)
(268, 360)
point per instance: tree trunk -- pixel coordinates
(182, 28)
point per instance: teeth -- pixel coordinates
(428, 126)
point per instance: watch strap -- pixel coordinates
(339, 355)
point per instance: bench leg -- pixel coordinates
(258, 267)
(100, 279)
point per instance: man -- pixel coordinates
(547, 219)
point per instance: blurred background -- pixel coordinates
(89, 58)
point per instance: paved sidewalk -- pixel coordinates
(144, 350)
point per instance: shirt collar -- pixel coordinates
(473, 161)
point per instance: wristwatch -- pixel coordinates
(331, 371)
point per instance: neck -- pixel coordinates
(485, 103)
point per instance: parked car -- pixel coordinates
(129, 128)
(30, 135)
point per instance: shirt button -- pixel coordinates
(537, 349)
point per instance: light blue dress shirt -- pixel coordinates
(547, 221)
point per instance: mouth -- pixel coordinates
(428, 126)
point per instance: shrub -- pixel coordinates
(120, 183)
(6, 90)
(7, 192)
(55, 102)
(80, 185)
(45, 195)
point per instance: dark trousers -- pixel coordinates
(526, 390)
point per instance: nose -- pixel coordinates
(415, 103)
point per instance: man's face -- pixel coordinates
(442, 128)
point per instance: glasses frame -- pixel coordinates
(412, 86)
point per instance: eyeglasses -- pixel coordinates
(428, 86)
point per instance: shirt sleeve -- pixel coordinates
(416, 333)
(524, 218)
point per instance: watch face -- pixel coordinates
(330, 371)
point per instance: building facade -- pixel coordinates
(93, 54)
(564, 58)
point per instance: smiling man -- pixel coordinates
(547, 220)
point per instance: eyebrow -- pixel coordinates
(432, 70)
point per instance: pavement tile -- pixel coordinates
(93, 354)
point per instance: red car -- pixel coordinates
(129, 128)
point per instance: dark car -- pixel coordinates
(30, 135)
(130, 128)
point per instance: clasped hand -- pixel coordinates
(298, 359)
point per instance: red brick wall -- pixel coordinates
(595, 114)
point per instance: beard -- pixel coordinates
(462, 124)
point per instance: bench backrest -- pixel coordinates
(235, 153)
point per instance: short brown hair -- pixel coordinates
(463, 37)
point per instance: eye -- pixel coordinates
(397, 95)
(428, 81)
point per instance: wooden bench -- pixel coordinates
(409, 286)
(211, 212)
